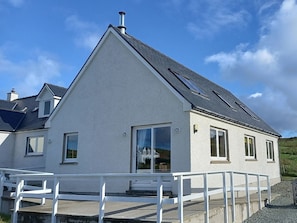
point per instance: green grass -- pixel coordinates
(4, 218)
(288, 156)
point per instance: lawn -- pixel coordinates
(288, 156)
(4, 218)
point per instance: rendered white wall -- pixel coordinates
(30, 162)
(201, 158)
(6, 149)
(115, 93)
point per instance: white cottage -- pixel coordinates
(23, 138)
(132, 109)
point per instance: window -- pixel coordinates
(247, 110)
(218, 144)
(35, 145)
(47, 107)
(250, 148)
(70, 147)
(189, 83)
(223, 99)
(269, 150)
(153, 149)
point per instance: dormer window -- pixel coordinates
(47, 107)
(48, 98)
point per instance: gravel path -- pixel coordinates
(281, 208)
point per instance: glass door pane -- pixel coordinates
(143, 151)
(161, 149)
(151, 154)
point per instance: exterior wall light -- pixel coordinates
(195, 128)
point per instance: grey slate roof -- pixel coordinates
(7, 104)
(225, 106)
(22, 114)
(10, 120)
(56, 90)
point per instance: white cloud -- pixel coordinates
(214, 16)
(28, 76)
(270, 63)
(256, 95)
(86, 33)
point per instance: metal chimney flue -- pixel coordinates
(122, 26)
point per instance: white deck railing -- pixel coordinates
(19, 180)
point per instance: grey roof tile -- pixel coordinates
(211, 103)
(57, 90)
(10, 120)
(4, 104)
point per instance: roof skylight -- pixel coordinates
(223, 99)
(189, 83)
(247, 110)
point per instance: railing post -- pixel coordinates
(225, 198)
(160, 200)
(18, 199)
(268, 190)
(102, 200)
(259, 192)
(2, 179)
(232, 195)
(55, 199)
(180, 198)
(42, 202)
(206, 198)
(247, 194)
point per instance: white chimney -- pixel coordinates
(12, 95)
(122, 26)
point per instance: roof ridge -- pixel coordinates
(54, 85)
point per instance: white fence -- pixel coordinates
(19, 180)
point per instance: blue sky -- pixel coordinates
(246, 46)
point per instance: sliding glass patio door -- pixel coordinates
(151, 152)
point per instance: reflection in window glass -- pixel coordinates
(250, 148)
(47, 107)
(35, 145)
(218, 143)
(153, 149)
(270, 150)
(71, 143)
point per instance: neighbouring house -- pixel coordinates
(132, 109)
(23, 138)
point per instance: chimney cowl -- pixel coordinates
(122, 26)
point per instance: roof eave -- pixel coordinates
(217, 115)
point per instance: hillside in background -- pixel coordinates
(288, 156)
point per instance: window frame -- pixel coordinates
(47, 108)
(189, 83)
(270, 151)
(65, 148)
(37, 143)
(247, 149)
(217, 144)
